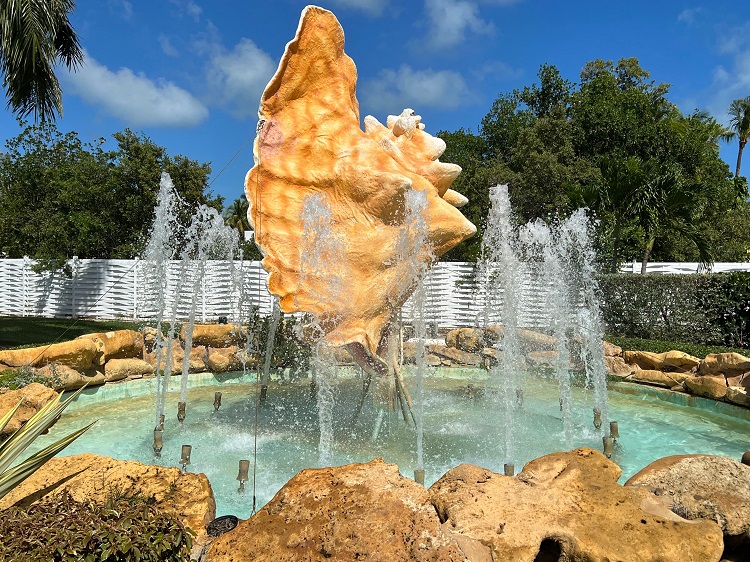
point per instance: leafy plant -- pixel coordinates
(126, 528)
(24, 376)
(25, 435)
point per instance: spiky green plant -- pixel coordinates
(25, 435)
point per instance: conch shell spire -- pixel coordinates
(311, 143)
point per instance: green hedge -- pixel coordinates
(707, 309)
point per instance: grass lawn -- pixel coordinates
(17, 331)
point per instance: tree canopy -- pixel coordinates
(61, 197)
(650, 175)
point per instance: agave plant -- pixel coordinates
(25, 435)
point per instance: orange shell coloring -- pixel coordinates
(311, 143)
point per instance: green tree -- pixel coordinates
(35, 36)
(739, 128)
(235, 215)
(60, 197)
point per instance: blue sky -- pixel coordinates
(189, 73)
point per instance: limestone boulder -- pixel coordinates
(742, 381)
(352, 512)
(34, 396)
(196, 359)
(466, 339)
(532, 340)
(658, 378)
(223, 359)
(117, 344)
(714, 387)
(119, 369)
(92, 477)
(337, 355)
(611, 350)
(63, 377)
(78, 354)
(726, 363)
(616, 367)
(702, 487)
(542, 359)
(667, 361)
(567, 506)
(738, 395)
(215, 335)
(454, 355)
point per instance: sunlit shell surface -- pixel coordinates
(311, 144)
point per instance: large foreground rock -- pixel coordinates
(354, 512)
(702, 486)
(34, 396)
(87, 476)
(568, 506)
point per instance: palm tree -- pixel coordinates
(34, 36)
(236, 215)
(739, 127)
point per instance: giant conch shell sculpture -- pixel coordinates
(310, 145)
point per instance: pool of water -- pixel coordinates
(460, 427)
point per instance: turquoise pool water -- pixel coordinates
(459, 427)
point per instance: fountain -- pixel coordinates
(349, 222)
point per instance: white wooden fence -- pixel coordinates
(121, 289)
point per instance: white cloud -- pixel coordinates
(731, 80)
(393, 90)
(371, 7)
(123, 7)
(189, 8)
(688, 16)
(450, 20)
(166, 46)
(134, 98)
(237, 78)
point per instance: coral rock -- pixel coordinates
(93, 477)
(353, 512)
(78, 354)
(117, 344)
(702, 487)
(568, 506)
(726, 363)
(34, 396)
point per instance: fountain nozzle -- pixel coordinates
(185, 457)
(158, 440)
(597, 418)
(419, 476)
(509, 469)
(181, 411)
(217, 401)
(613, 430)
(609, 446)
(243, 475)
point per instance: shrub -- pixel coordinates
(659, 346)
(24, 376)
(61, 529)
(712, 309)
